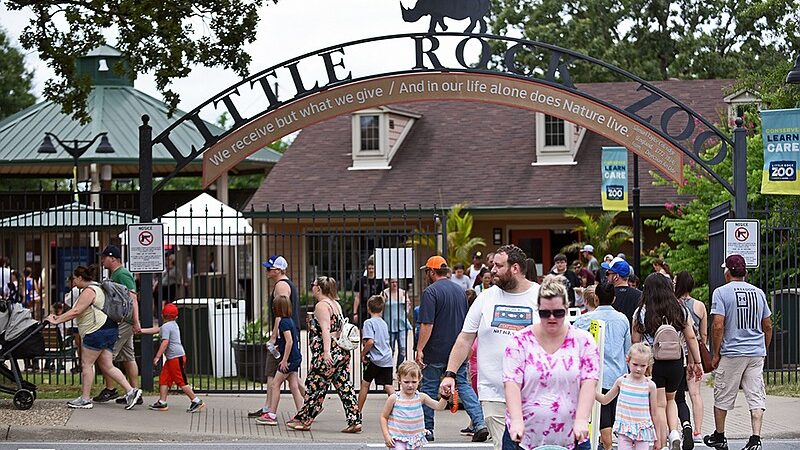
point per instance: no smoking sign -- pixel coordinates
(742, 237)
(146, 252)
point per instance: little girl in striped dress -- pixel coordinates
(636, 405)
(402, 422)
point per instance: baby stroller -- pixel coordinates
(20, 338)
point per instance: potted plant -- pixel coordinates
(775, 356)
(250, 350)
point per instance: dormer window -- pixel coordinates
(557, 141)
(369, 129)
(741, 102)
(377, 134)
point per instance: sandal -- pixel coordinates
(353, 429)
(297, 425)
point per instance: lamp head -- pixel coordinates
(47, 146)
(793, 77)
(104, 146)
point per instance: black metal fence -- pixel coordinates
(778, 278)
(213, 273)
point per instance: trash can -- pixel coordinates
(786, 320)
(208, 325)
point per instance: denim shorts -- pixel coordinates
(102, 339)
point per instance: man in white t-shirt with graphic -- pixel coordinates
(498, 312)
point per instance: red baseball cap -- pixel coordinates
(735, 263)
(169, 310)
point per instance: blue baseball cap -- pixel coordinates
(276, 262)
(618, 266)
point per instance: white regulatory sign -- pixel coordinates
(743, 237)
(146, 247)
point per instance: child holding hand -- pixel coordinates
(402, 422)
(636, 406)
(173, 370)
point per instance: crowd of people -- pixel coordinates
(538, 389)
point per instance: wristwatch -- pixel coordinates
(450, 374)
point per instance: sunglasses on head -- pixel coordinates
(557, 313)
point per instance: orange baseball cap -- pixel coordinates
(435, 262)
(169, 310)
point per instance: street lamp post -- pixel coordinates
(793, 77)
(76, 148)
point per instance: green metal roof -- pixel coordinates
(70, 216)
(116, 110)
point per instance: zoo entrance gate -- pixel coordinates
(213, 258)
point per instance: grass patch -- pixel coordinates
(61, 386)
(787, 388)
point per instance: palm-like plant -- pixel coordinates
(601, 231)
(460, 242)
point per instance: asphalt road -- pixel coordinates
(733, 445)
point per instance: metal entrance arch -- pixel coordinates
(433, 59)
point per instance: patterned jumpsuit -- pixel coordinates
(320, 377)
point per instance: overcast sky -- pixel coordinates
(288, 29)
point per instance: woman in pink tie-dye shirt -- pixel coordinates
(550, 373)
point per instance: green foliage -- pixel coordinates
(459, 237)
(253, 333)
(163, 38)
(687, 225)
(15, 79)
(601, 231)
(656, 39)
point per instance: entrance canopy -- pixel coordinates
(203, 221)
(73, 215)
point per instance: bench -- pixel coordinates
(56, 347)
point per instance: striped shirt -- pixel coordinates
(406, 422)
(633, 410)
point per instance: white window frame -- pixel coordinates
(557, 155)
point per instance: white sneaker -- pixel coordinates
(674, 440)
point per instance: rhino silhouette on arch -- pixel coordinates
(475, 10)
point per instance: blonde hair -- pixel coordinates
(409, 368)
(590, 297)
(644, 349)
(554, 286)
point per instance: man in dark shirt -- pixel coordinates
(626, 298)
(442, 311)
(365, 288)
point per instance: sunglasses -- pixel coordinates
(557, 313)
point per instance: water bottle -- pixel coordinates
(274, 350)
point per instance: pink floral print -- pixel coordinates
(550, 383)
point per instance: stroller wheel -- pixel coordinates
(23, 399)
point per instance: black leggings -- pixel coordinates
(680, 400)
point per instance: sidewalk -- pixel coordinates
(225, 419)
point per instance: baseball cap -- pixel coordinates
(618, 266)
(435, 262)
(276, 262)
(588, 248)
(169, 310)
(735, 263)
(112, 251)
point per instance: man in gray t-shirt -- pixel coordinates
(741, 333)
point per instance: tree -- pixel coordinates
(657, 39)
(601, 231)
(459, 237)
(15, 79)
(166, 38)
(687, 225)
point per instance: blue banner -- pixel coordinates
(780, 129)
(614, 167)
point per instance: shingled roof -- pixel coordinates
(460, 151)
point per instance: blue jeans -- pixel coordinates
(431, 377)
(400, 338)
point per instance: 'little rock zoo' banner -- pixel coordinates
(614, 166)
(781, 133)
